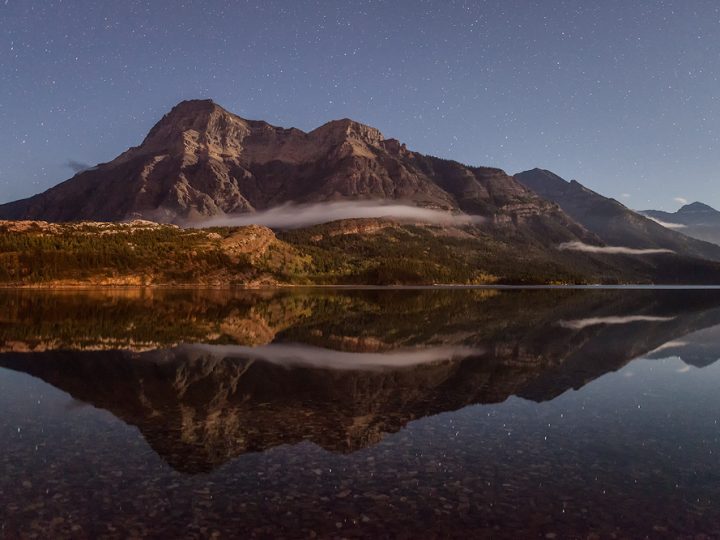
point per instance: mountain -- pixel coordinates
(613, 222)
(200, 161)
(696, 219)
(699, 349)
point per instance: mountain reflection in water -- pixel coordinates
(209, 376)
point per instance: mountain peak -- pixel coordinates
(539, 170)
(546, 182)
(189, 123)
(190, 104)
(189, 110)
(346, 128)
(696, 207)
(545, 174)
(542, 180)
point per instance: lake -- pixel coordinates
(541, 413)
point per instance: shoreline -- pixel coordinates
(444, 286)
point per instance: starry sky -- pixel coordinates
(622, 95)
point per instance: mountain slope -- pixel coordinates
(696, 219)
(143, 253)
(614, 223)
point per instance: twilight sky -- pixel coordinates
(623, 95)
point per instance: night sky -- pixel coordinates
(622, 95)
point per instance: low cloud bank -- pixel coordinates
(611, 250)
(295, 354)
(292, 216)
(579, 324)
(665, 223)
(78, 166)
(668, 345)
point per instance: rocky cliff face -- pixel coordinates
(200, 160)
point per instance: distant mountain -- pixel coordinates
(695, 219)
(610, 220)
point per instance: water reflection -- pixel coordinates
(209, 376)
(359, 413)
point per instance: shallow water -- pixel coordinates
(407, 413)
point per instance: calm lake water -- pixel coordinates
(382, 414)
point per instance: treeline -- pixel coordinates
(396, 255)
(408, 255)
(413, 255)
(34, 257)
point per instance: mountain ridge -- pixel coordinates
(696, 219)
(610, 220)
(199, 160)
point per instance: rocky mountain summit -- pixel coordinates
(200, 161)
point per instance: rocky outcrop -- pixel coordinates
(252, 242)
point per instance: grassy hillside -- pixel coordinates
(140, 253)
(353, 252)
(408, 254)
(377, 252)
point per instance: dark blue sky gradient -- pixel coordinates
(621, 94)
